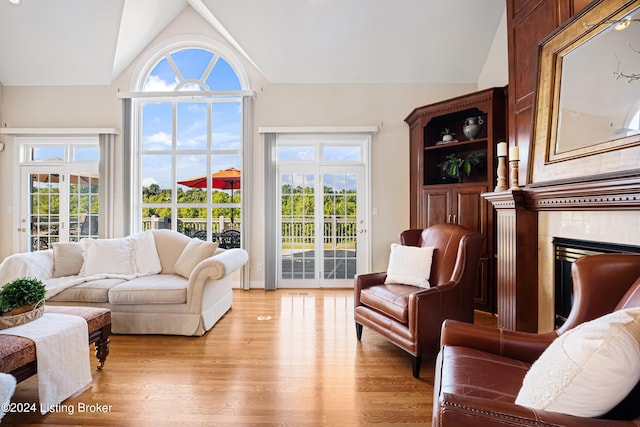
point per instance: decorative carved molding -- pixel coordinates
(509, 199)
(621, 193)
(609, 194)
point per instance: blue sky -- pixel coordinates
(157, 129)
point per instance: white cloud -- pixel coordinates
(146, 182)
(156, 84)
(157, 141)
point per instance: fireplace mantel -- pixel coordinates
(619, 193)
(517, 235)
(591, 193)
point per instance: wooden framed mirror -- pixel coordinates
(587, 108)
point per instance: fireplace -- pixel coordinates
(567, 251)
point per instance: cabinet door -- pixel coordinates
(470, 209)
(435, 207)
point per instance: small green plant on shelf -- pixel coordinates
(447, 135)
(457, 167)
(21, 295)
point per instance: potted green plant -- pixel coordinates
(21, 295)
(457, 167)
(447, 135)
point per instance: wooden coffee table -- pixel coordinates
(18, 354)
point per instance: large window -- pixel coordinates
(189, 152)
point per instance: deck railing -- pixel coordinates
(338, 230)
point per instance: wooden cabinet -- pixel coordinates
(461, 204)
(437, 197)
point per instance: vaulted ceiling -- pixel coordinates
(90, 42)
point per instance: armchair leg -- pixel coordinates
(416, 363)
(358, 331)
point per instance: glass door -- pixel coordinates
(57, 206)
(321, 225)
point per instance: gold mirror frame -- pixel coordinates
(613, 157)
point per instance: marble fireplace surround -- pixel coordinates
(602, 210)
(620, 227)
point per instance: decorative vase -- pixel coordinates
(472, 127)
(447, 138)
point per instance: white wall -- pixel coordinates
(275, 105)
(495, 72)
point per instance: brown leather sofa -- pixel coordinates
(479, 370)
(411, 317)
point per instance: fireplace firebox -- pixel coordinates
(567, 251)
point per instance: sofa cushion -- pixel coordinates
(67, 259)
(158, 289)
(587, 370)
(196, 251)
(392, 299)
(169, 245)
(113, 256)
(409, 265)
(91, 291)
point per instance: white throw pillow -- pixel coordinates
(587, 370)
(410, 265)
(146, 257)
(196, 250)
(67, 259)
(111, 256)
(7, 387)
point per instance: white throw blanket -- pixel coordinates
(56, 285)
(62, 350)
(40, 264)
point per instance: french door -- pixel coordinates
(322, 227)
(57, 204)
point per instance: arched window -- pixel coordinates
(190, 109)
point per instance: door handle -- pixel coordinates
(449, 218)
(454, 219)
(362, 230)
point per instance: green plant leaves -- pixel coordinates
(20, 292)
(457, 167)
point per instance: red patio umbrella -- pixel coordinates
(225, 179)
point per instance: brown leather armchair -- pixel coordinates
(411, 317)
(479, 370)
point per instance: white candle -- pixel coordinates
(502, 149)
(514, 153)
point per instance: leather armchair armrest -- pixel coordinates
(363, 281)
(459, 409)
(523, 346)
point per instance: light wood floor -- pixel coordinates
(279, 358)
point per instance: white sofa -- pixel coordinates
(156, 282)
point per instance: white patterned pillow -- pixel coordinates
(107, 256)
(587, 370)
(410, 265)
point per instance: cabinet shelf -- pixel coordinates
(479, 141)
